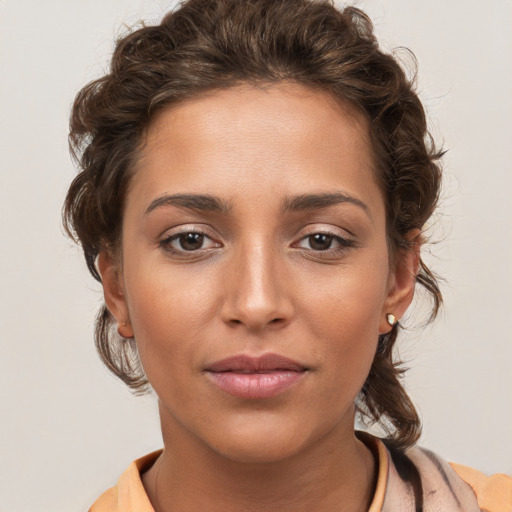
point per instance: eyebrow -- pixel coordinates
(303, 202)
(306, 202)
(202, 202)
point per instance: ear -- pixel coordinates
(114, 294)
(402, 280)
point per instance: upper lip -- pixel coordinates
(249, 364)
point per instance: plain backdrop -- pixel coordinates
(67, 428)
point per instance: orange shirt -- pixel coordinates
(446, 487)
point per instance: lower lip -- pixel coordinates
(255, 385)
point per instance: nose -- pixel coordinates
(257, 293)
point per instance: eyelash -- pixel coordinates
(166, 243)
(345, 244)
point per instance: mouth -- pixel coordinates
(255, 377)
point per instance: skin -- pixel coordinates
(257, 282)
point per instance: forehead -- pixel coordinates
(249, 110)
(257, 140)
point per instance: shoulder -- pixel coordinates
(494, 492)
(129, 494)
(107, 502)
(462, 484)
(418, 479)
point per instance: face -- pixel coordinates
(255, 271)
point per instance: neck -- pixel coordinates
(336, 473)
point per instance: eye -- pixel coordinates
(188, 241)
(325, 242)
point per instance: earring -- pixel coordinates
(391, 319)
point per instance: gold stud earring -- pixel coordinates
(391, 319)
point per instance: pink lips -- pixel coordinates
(255, 377)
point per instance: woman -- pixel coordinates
(255, 178)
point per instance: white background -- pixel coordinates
(67, 428)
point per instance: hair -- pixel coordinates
(208, 45)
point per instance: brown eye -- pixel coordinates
(320, 241)
(191, 241)
(326, 242)
(188, 241)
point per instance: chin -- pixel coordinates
(261, 442)
(260, 451)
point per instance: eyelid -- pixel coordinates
(345, 242)
(324, 229)
(340, 240)
(166, 239)
(186, 228)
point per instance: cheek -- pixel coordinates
(169, 311)
(348, 300)
(343, 315)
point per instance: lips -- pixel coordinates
(255, 377)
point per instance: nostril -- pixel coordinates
(275, 321)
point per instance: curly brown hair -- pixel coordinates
(208, 45)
